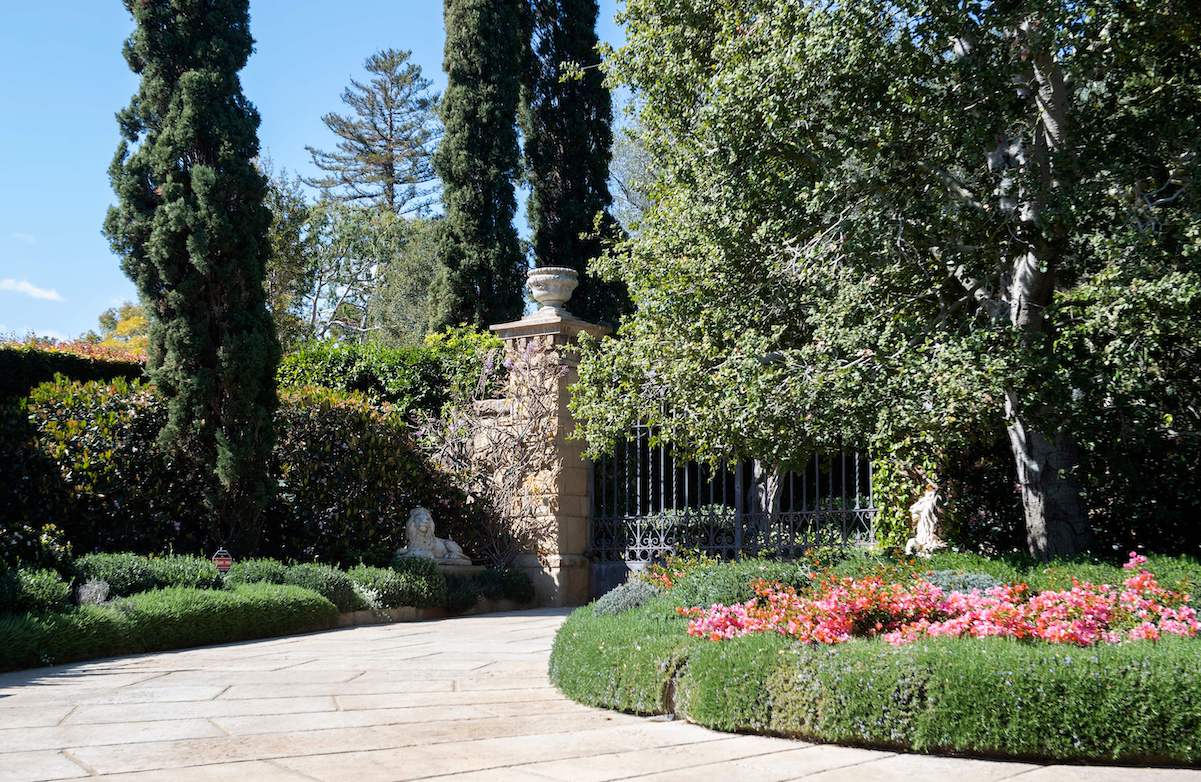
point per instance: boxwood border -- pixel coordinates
(1128, 703)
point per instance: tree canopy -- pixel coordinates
(385, 147)
(191, 229)
(916, 226)
(566, 117)
(481, 276)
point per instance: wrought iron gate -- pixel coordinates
(647, 505)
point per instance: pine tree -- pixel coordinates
(191, 229)
(567, 119)
(384, 155)
(481, 272)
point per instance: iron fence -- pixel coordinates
(647, 505)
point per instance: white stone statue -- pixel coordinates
(423, 543)
(924, 514)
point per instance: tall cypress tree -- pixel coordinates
(481, 265)
(191, 229)
(568, 145)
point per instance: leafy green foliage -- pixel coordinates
(625, 662)
(862, 262)
(566, 118)
(327, 581)
(191, 229)
(24, 366)
(162, 619)
(481, 272)
(384, 150)
(405, 587)
(424, 583)
(125, 574)
(83, 457)
(348, 475)
(34, 591)
(626, 597)
(409, 378)
(184, 571)
(463, 592)
(1132, 703)
(256, 571)
(730, 582)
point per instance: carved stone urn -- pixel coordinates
(552, 287)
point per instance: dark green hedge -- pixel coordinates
(24, 366)
(159, 620)
(1132, 703)
(83, 457)
(413, 379)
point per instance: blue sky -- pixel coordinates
(65, 79)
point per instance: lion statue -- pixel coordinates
(422, 542)
(924, 514)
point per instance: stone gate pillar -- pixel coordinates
(561, 574)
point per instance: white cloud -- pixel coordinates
(29, 289)
(25, 238)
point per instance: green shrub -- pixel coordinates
(83, 457)
(35, 591)
(184, 571)
(256, 571)
(385, 587)
(730, 582)
(1137, 702)
(626, 662)
(30, 640)
(722, 685)
(159, 620)
(177, 617)
(347, 471)
(125, 574)
(425, 585)
(329, 582)
(463, 592)
(407, 377)
(413, 379)
(24, 366)
(516, 586)
(626, 597)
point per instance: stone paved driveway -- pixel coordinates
(463, 698)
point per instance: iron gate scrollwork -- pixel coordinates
(646, 505)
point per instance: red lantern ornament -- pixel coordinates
(223, 560)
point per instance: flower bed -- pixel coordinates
(897, 662)
(844, 608)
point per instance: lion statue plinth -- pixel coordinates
(423, 543)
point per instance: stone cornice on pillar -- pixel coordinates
(542, 324)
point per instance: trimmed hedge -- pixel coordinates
(256, 571)
(490, 584)
(24, 366)
(31, 590)
(160, 620)
(83, 457)
(413, 379)
(626, 661)
(128, 574)
(327, 581)
(730, 582)
(1137, 702)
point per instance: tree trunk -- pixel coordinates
(1056, 523)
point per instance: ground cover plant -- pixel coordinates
(884, 652)
(160, 619)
